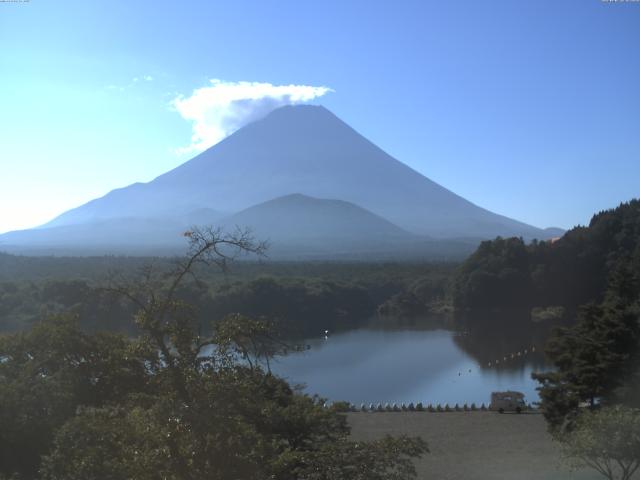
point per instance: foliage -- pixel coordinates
(607, 440)
(496, 274)
(46, 374)
(301, 308)
(302, 298)
(24, 304)
(574, 270)
(596, 357)
(425, 295)
(174, 403)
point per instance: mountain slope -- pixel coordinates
(318, 225)
(309, 150)
(130, 235)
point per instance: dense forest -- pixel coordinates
(303, 298)
(507, 273)
(597, 359)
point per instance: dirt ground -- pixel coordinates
(475, 445)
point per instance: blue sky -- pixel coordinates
(530, 108)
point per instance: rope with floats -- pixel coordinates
(511, 356)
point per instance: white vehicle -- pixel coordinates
(507, 402)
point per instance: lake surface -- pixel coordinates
(428, 366)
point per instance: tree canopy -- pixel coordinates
(571, 271)
(607, 441)
(598, 359)
(173, 403)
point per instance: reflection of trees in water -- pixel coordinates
(419, 322)
(488, 336)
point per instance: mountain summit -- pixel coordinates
(299, 149)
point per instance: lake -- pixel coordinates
(428, 366)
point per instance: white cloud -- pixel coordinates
(221, 108)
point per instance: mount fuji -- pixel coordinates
(300, 168)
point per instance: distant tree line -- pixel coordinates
(334, 297)
(507, 273)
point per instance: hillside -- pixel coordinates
(299, 221)
(119, 235)
(568, 272)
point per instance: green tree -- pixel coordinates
(46, 374)
(595, 357)
(606, 440)
(202, 407)
(572, 271)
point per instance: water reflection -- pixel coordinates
(500, 340)
(431, 366)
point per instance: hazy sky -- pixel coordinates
(528, 108)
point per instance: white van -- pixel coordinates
(507, 402)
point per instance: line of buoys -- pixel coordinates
(420, 407)
(512, 356)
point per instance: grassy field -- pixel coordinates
(474, 445)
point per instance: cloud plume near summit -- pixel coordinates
(221, 108)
